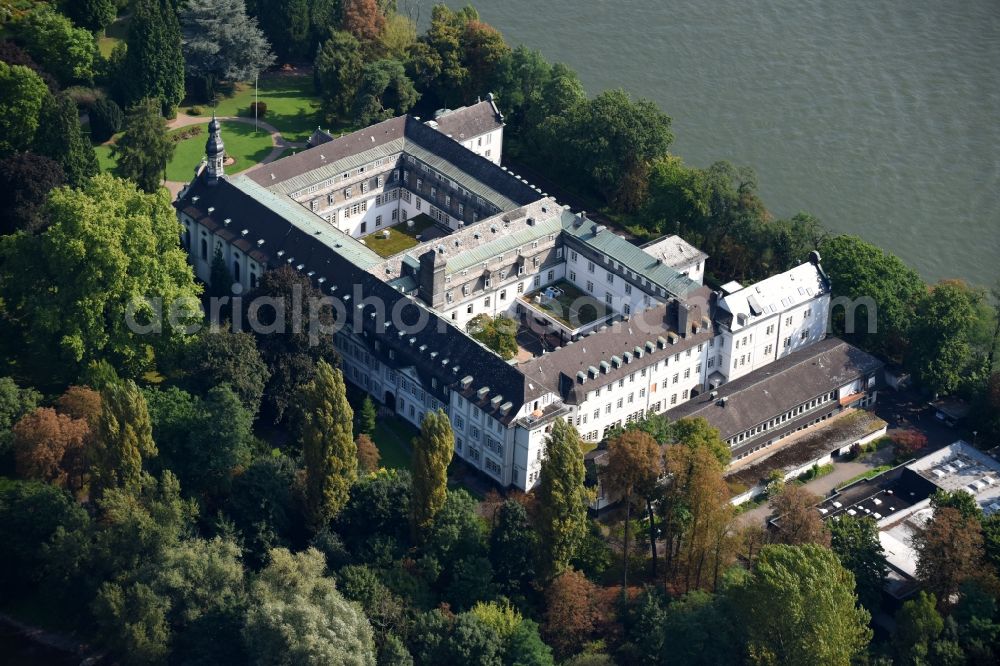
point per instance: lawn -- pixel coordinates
(242, 144)
(401, 237)
(116, 32)
(392, 437)
(572, 307)
(292, 105)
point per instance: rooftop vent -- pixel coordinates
(616, 361)
(211, 209)
(481, 393)
(506, 407)
(661, 342)
(227, 221)
(300, 267)
(581, 377)
(495, 401)
(244, 232)
(260, 242)
(627, 356)
(321, 280)
(605, 367)
(599, 229)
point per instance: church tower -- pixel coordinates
(215, 152)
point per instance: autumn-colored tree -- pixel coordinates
(45, 445)
(81, 402)
(949, 550)
(432, 452)
(698, 433)
(697, 518)
(572, 612)
(634, 467)
(562, 498)
(799, 521)
(124, 438)
(484, 49)
(362, 19)
(908, 443)
(368, 455)
(331, 457)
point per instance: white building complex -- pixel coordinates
(622, 331)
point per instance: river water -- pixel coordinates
(881, 118)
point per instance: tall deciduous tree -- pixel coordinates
(144, 149)
(432, 452)
(856, 543)
(287, 26)
(949, 551)
(368, 455)
(23, 95)
(572, 612)
(26, 179)
(799, 520)
(562, 498)
(867, 274)
(918, 624)
(385, 91)
(227, 357)
(634, 467)
(798, 608)
(67, 52)
(362, 19)
(512, 548)
(107, 247)
(222, 42)
(297, 616)
(124, 438)
(940, 354)
(94, 15)
(325, 431)
(154, 62)
(45, 445)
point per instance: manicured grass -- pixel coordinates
(292, 105)
(392, 437)
(116, 32)
(242, 143)
(400, 237)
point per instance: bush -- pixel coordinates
(908, 443)
(106, 119)
(84, 96)
(195, 111)
(260, 107)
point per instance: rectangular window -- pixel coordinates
(572, 276)
(590, 286)
(378, 220)
(590, 267)
(611, 277)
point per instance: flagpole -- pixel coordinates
(255, 127)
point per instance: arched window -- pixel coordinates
(187, 239)
(253, 280)
(236, 271)
(204, 249)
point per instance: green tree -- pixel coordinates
(856, 543)
(562, 498)
(62, 49)
(15, 402)
(432, 452)
(498, 333)
(328, 448)
(697, 433)
(918, 624)
(798, 607)
(297, 616)
(124, 438)
(949, 550)
(263, 507)
(108, 245)
(154, 62)
(471, 641)
(383, 92)
(220, 281)
(287, 26)
(526, 648)
(106, 120)
(512, 549)
(940, 354)
(860, 270)
(368, 417)
(23, 95)
(234, 50)
(483, 51)
(132, 622)
(94, 15)
(60, 137)
(376, 517)
(337, 74)
(222, 356)
(699, 628)
(143, 151)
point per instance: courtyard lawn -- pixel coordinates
(572, 307)
(392, 437)
(292, 104)
(400, 237)
(115, 33)
(242, 144)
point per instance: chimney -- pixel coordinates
(683, 318)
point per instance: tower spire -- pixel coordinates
(215, 152)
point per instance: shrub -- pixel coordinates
(195, 111)
(260, 107)
(106, 118)
(908, 442)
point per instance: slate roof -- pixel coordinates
(558, 370)
(779, 386)
(607, 242)
(438, 350)
(403, 134)
(470, 121)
